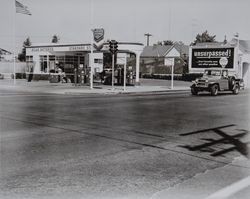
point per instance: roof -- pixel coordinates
(5, 51)
(156, 51)
(182, 48)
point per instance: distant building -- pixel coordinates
(154, 59)
(236, 52)
(7, 64)
(5, 55)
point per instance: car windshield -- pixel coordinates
(212, 73)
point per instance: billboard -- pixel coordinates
(212, 58)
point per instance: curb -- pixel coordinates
(131, 92)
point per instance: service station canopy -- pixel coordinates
(122, 47)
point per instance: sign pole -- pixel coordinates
(113, 69)
(125, 73)
(172, 76)
(91, 63)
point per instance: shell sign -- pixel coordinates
(98, 34)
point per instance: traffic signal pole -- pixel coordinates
(113, 45)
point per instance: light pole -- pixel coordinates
(91, 46)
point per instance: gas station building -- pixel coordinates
(42, 59)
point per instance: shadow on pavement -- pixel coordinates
(233, 140)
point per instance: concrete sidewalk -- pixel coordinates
(213, 183)
(147, 86)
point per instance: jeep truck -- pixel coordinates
(215, 80)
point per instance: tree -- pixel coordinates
(168, 43)
(181, 43)
(204, 37)
(55, 39)
(159, 43)
(164, 43)
(22, 55)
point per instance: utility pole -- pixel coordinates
(147, 35)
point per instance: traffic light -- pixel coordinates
(113, 46)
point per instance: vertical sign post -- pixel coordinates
(91, 65)
(170, 62)
(172, 76)
(113, 70)
(125, 72)
(14, 48)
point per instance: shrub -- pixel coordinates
(183, 77)
(191, 76)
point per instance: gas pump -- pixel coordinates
(130, 75)
(75, 76)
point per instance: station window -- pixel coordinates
(74, 60)
(60, 59)
(30, 64)
(29, 58)
(51, 63)
(43, 63)
(98, 61)
(81, 60)
(52, 58)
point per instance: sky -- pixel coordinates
(122, 20)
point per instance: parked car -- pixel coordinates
(215, 80)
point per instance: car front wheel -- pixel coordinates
(236, 89)
(194, 91)
(214, 90)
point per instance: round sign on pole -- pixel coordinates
(223, 62)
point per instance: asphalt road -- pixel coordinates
(116, 146)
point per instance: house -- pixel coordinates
(5, 55)
(154, 59)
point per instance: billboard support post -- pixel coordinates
(125, 73)
(170, 62)
(172, 76)
(113, 71)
